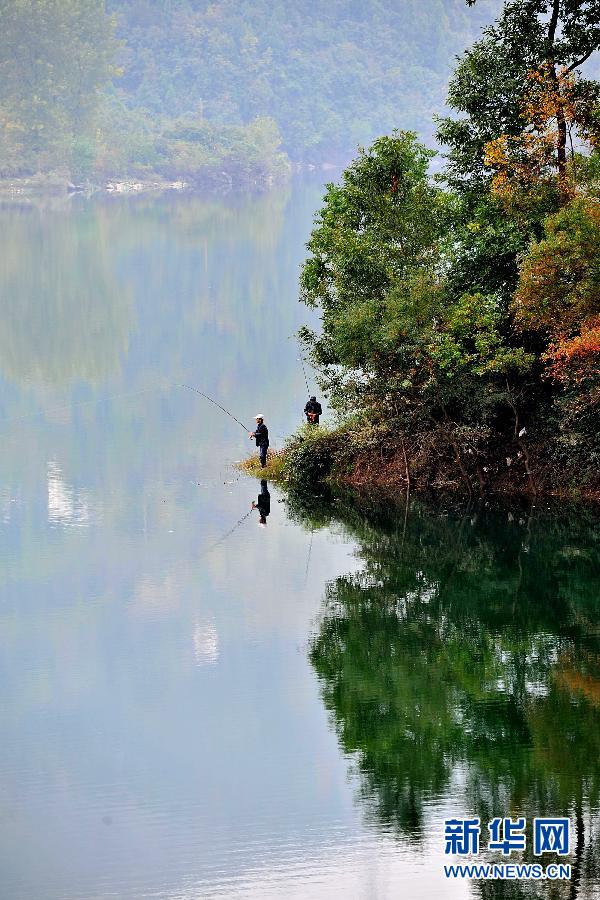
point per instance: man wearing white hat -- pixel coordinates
(262, 438)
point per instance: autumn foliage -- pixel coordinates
(559, 285)
(558, 113)
(559, 295)
(577, 360)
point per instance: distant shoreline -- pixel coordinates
(51, 185)
(58, 184)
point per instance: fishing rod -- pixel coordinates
(312, 531)
(214, 402)
(301, 360)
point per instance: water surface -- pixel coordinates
(192, 705)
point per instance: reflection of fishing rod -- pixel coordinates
(312, 531)
(214, 402)
(226, 535)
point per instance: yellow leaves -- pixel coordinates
(550, 95)
(495, 153)
(537, 156)
(519, 162)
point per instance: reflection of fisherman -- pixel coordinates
(261, 434)
(263, 504)
(312, 411)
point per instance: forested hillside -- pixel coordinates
(191, 89)
(331, 73)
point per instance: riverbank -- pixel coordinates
(52, 184)
(378, 457)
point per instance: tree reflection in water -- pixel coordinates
(469, 643)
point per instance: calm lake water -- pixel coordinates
(192, 705)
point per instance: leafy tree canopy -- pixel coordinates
(462, 311)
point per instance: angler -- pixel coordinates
(313, 411)
(261, 435)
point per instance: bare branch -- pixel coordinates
(580, 62)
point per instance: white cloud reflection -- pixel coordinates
(206, 644)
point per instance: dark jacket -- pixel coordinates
(313, 406)
(261, 433)
(264, 500)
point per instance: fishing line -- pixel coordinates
(119, 396)
(69, 406)
(312, 531)
(300, 360)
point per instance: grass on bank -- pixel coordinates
(273, 471)
(306, 457)
(363, 454)
(309, 455)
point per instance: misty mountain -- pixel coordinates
(331, 73)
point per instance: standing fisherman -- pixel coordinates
(312, 411)
(261, 434)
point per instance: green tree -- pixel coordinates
(492, 80)
(372, 265)
(55, 59)
(331, 74)
(403, 337)
(559, 283)
(557, 299)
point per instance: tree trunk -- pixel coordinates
(561, 146)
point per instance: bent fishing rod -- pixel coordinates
(214, 402)
(301, 358)
(301, 361)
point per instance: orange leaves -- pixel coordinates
(550, 95)
(559, 295)
(559, 283)
(577, 360)
(519, 162)
(552, 114)
(575, 365)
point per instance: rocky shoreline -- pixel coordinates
(60, 185)
(57, 184)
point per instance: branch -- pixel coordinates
(580, 62)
